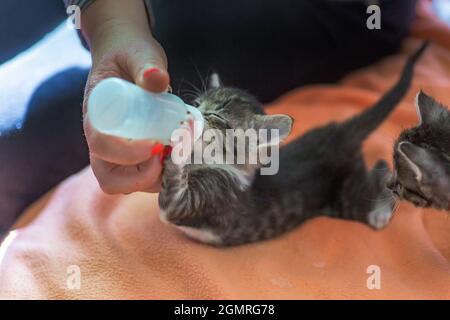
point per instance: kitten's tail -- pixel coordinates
(362, 125)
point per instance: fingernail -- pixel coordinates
(157, 149)
(150, 71)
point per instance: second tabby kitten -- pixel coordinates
(422, 157)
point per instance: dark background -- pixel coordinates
(24, 22)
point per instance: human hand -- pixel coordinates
(122, 46)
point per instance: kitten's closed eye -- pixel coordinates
(221, 105)
(215, 121)
(215, 115)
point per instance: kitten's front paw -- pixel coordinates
(381, 214)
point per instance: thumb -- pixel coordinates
(149, 68)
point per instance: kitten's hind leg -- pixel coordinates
(365, 197)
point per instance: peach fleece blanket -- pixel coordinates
(77, 242)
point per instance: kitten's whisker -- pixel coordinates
(193, 87)
(202, 79)
(189, 94)
(188, 91)
(189, 97)
(193, 91)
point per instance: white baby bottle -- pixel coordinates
(120, 108)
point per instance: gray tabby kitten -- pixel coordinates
(422, 157)
(321, 173)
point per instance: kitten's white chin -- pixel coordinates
(204, 236)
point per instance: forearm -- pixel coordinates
(103, 17)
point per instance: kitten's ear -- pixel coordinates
(419, 160)
(214, 81)
(279, 122)
(428, 109)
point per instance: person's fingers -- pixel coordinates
(115, 149)
(123, 165)
(116, 179)
(153, 79)
(148, 68)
